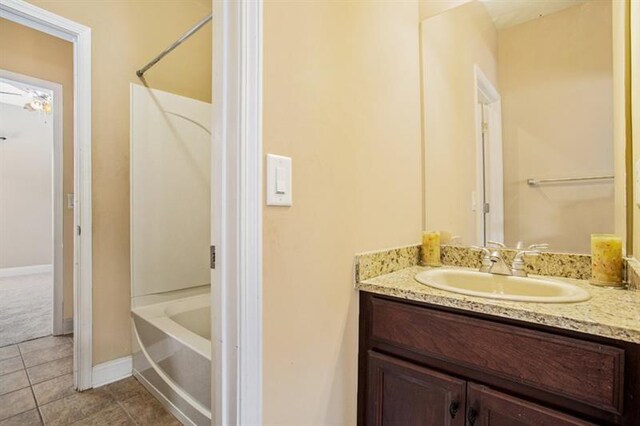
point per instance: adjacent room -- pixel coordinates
(26, 211)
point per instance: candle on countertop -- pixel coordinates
(431, 248)
(606, 260)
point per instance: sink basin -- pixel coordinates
(481, 284)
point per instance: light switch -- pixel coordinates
(281, 180)
(278, 180)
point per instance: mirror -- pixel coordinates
(518, 122)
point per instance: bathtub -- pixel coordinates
(172, 355)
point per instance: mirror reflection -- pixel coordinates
(518, 127)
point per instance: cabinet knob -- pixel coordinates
(453, 409)
(472, 416)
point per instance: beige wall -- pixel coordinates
(125, 35)
(556, 86)
(342, 98)
(452, 43)
(30, 52)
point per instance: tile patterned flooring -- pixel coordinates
(36, 388)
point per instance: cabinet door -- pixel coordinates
(487, 407)
(404, 394)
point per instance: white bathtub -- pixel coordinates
(173, 357)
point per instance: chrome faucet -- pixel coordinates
(490, 258)
(486, 261)
(498, 264)
(518, 267)
(493, 262)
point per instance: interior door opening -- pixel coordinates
(31, 209)
(489, 199)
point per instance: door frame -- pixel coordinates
(236, 214)
(26, 14)
(487, 94)
(57, 186)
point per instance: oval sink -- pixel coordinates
(492, 286)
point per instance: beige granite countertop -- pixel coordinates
(609, 313)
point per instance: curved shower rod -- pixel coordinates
(175, 44)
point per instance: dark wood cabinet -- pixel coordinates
(421, 364)
(402, 393)
(488, 407)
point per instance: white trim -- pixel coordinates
(486, 94)
(58, 212)
(112, 371)
(495, 175)
(236, 214)
(34, 17)
(478, 199)
(25, 270)
(67, 326)
(24, 13)
(83, 278)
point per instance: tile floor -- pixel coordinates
(36, 387)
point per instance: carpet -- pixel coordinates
(26, 307)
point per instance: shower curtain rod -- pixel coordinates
(175, 44)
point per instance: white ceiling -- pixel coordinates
(507, 13)
(19, 98)
(13, 93)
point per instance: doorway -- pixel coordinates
(489, 196)
(21, 14)
(31, 215)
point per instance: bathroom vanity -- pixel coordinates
(430, 365)
(519, 165)
(428, 356)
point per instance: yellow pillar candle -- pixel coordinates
(431, 248)
(606, 260)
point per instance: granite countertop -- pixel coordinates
(609, 313)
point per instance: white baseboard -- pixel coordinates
(25, 270)
(112, 371)
(67, 326)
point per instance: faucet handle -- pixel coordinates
(518, 265)
(522, 253)
(496, 244)
(485, 251)
(486, 258)
(542, 246)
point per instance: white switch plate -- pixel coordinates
(278, 180)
